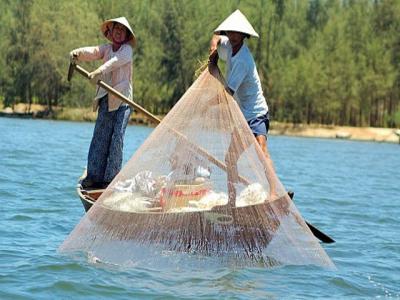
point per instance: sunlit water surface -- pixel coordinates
(348, 189)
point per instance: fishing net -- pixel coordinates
(201, 186)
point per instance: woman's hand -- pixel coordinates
(73, 57)
(213, 53)
(95, 76)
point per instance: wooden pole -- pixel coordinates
(109, 89)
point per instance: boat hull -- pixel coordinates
(245, 231)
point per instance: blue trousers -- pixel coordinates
(106, 147)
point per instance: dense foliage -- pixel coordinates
(320, 61)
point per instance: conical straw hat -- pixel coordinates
(236, 22)
(106, 29)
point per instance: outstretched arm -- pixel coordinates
(86, 54)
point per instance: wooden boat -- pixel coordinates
(89, 196)
(220, 230)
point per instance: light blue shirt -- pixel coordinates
(242, 78)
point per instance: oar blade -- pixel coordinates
(320, 235)
(315, 231)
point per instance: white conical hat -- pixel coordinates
(236, 22)
(106, 29)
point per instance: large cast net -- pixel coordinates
(199, 186)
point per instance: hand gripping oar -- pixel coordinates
(109, 89)
(315, 231)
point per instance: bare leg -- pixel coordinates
(270, 170)
(232, 172)
(231, 158)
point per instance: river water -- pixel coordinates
(350, 190)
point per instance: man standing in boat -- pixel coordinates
(243, 83)
(106, 147)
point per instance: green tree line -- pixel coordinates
(320, 61)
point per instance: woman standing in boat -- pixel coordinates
(105, 152)
(243, 83)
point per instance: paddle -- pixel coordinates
(315, 231)
(109, 89)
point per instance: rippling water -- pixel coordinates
(348, 189)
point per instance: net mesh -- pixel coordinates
(199, 185)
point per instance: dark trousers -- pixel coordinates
(106, 147)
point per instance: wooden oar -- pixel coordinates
(320, 235)
(109, 89)
(315, 231)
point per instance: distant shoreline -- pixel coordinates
(374, 134)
